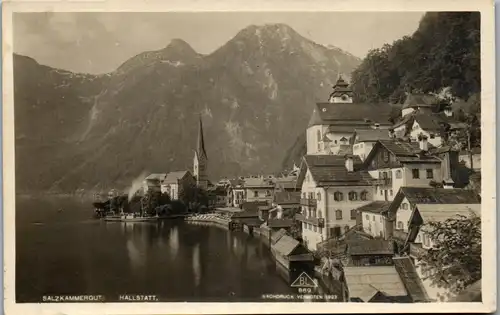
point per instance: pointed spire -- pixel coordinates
(201, 142)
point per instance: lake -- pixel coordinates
(62, 250)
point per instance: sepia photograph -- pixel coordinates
(249, 157)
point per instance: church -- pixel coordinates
(333, 123)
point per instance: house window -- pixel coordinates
(373, 217)
(391, 192)
(400, 225)
(381, 192)
(385, 156)
(367, 217)
(430, 175)
(338, 196)
(315, 228)
(318, 196)
(415, 172)
(268, 193)
(311, 195)
(320, 229)
(432, 136)
(353, 196)
(399, 174)
(335, 142)
(353, 214)
(304, 195)
(346, 229)
(318, 135)
(404, 206)
(256, 194)
(338, 214)
(364, 195)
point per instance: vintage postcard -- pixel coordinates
(227, 157)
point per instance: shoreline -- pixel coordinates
(209, 220)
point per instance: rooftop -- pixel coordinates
(331, 170)
(286, 245)
(330, 113)
(443, 212)
(375, 207)
(410, 278)
(365, 282)
(258, 182)
(156, 176)
(419, 100)
(287, 197)
(363, 135)
(370, 247)
(430, 195)
(173, 177)
(280, 223)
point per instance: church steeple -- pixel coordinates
(200, 149)
(200, 160)
(342, 92)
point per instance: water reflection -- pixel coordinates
(137, 245)
(196, 265)
(173, 242)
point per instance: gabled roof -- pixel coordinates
(156, 176)
(410, 278)
(420, 100)
(365, 282)
(174, 177)
(443, 212)
(286, 245)
(404, 152)
(280, 223)
(330, 170)
(286, 197)
(330, 113)
(370, 247)
(275, 237)
(372, 135)
(375, 207)
(253, 205)
(431, 195)
(258, 182)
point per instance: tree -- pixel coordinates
(444, 52)
(454, 261)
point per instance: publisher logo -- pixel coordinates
(304, 283)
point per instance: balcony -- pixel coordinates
(383, 182)
(311, 220)
(308, 202)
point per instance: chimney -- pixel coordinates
(392, 134)
(424, 145)
(448, 183)
(349, 163)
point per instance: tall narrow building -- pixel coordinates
(200, 160)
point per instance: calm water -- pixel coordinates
(68, 252)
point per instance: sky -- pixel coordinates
(100, 42)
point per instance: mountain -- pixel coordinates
(254, 94)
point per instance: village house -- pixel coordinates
(286, 203)
(258, 189)
(364, 140)
(175, 183)
(412, 208)
(152, 183)
(372, 252)
(236, 193)
(332, 124)
(218, 196)
(285, 184)
(372, 218)
(396, 163)
(333, 187)
(425, 114)
(408, 198)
